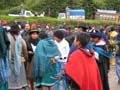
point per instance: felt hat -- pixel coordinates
(95, 34)
(14, 28)
(33, 30)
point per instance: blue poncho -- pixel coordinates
(45, 50)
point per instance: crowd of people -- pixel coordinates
(36, 58)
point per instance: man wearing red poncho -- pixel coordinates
(81, 66)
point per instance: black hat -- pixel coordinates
(110, 28)
(83, 27)
(96, 33)
(59, 34)
(33, 30)
(14, 28)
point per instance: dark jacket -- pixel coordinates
(25, 35)
(29, 47)
(4, 42)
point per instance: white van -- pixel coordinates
(61, 16)
(26, 14)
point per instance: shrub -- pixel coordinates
(56, 22)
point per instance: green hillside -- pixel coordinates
(56, 6)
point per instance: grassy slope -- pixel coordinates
(31, 3)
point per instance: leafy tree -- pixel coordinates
(113, 5)
(56, 6)
(2, 4)
(90, 8)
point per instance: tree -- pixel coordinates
(90, 8)
(57, 6)
(112, 5)
(2, 4)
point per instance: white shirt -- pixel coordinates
(33, 47)
(64, 49)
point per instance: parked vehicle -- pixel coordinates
(26, 14)
(78, 14)
(73, 14)
(111, 15)
(61, 16)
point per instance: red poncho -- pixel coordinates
(82, 68)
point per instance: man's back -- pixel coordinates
(82, 68)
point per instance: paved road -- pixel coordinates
(113, 79)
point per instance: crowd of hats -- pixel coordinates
(17, 26)
(93, 32)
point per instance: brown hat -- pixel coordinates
(15, 28)
(33, 30)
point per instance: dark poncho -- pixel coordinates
(4, 42)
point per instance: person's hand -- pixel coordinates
(30, 52)
(23, 60)
(53, 60)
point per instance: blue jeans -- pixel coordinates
(60, 70)
(118, 67)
